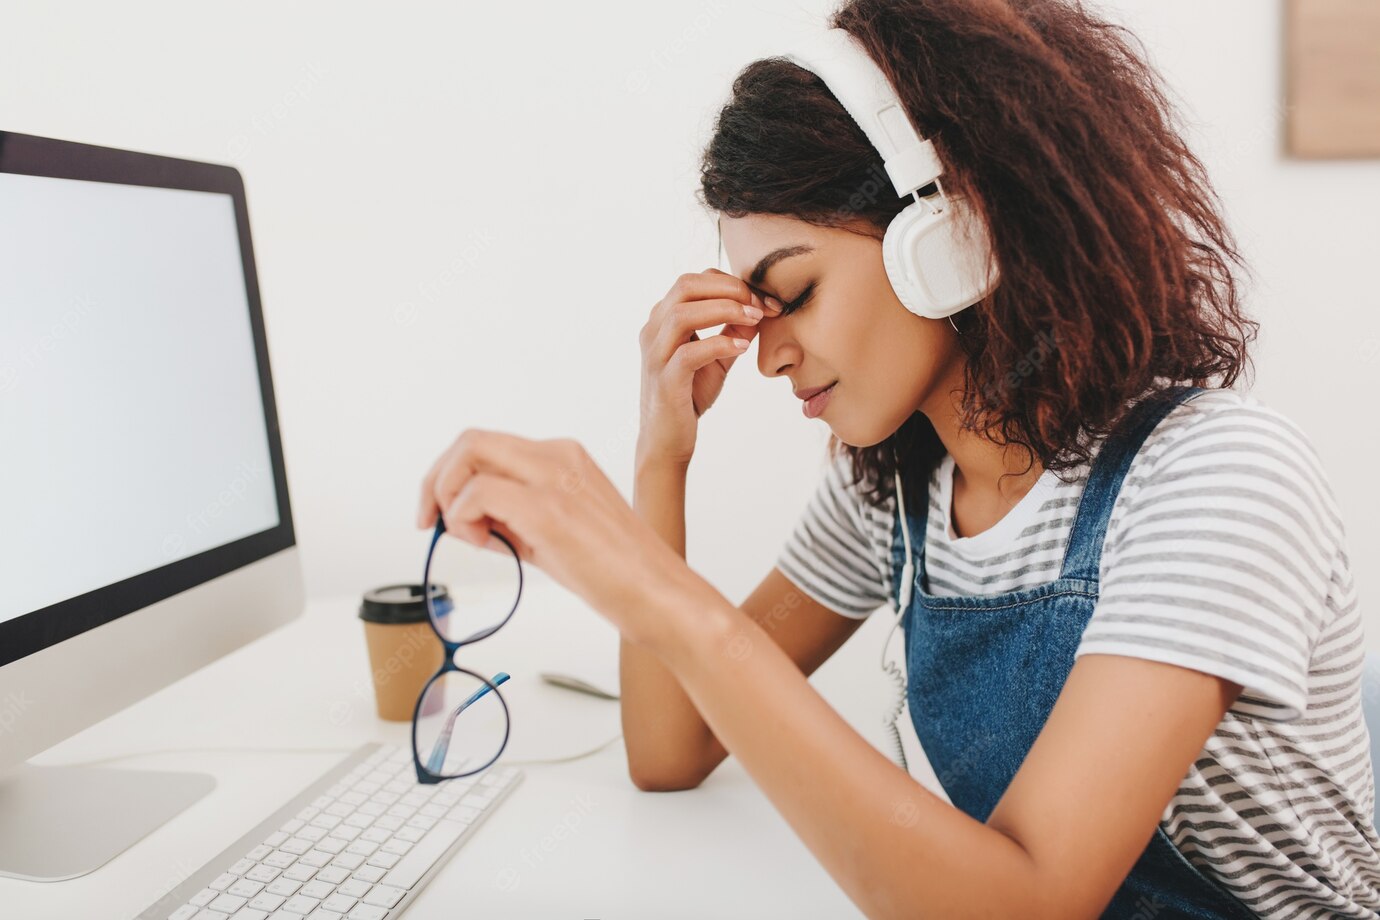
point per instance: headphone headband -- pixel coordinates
(835, 56)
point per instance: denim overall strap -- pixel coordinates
(984, 672)
(1083, 556)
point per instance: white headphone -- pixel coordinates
(936, 251)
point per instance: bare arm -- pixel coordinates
(669, 744)
(1082, 807)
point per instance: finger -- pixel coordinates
(493, 500)
(707, 285)
(770, 303)
(689, 317)
(426, 501)
(523, 550)
(692, 356)
(480, 451)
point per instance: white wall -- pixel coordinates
(463, 214)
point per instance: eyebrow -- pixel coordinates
(759, 273)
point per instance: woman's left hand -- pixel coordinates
(561, 513)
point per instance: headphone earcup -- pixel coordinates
(938, 263)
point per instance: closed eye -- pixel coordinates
(792, 306)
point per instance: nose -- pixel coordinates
(777, 351)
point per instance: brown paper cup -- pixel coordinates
(404, 651)
(402, 657)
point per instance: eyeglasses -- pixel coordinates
(460, 724)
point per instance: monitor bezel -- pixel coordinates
(29, 633)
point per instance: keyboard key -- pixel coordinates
(466, 813)
(384, 896)
(275, 839)
(228, 903)
(280, 859)
(345, 832)
(369, 874)
(284, 887)
(226, 879)
(185, 912)
(383, 860)
(300, 872)
(339, 903)
(203, 897)
(317, 858)
(351, 861)
(415, 864)
(244, 888)
(301, 904)
(317, 889)
(267, 902)
(366, 912)
(333, 874)
(355, 888)
(250, 913)
(258, 853)
(263, 874)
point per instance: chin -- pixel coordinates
(854, 435)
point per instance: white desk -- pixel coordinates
(575, 840)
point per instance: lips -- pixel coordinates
(818, 399)
(811, 391)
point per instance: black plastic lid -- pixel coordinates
(398, 603)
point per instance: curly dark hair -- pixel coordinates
(1116, 265)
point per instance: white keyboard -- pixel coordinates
(358, 844)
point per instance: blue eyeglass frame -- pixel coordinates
(425, 772)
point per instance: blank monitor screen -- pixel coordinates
(133, 432)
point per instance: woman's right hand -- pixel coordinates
(683, 374)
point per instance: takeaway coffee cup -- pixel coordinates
(403, 650)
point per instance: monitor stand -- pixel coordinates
(61, 822)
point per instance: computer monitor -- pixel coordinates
(145, 528)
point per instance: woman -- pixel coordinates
(1132, 644)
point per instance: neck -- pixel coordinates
(996, 474)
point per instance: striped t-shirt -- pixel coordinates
(1225, 553)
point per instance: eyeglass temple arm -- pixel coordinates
(437, 760)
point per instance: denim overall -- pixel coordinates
(984, 671)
